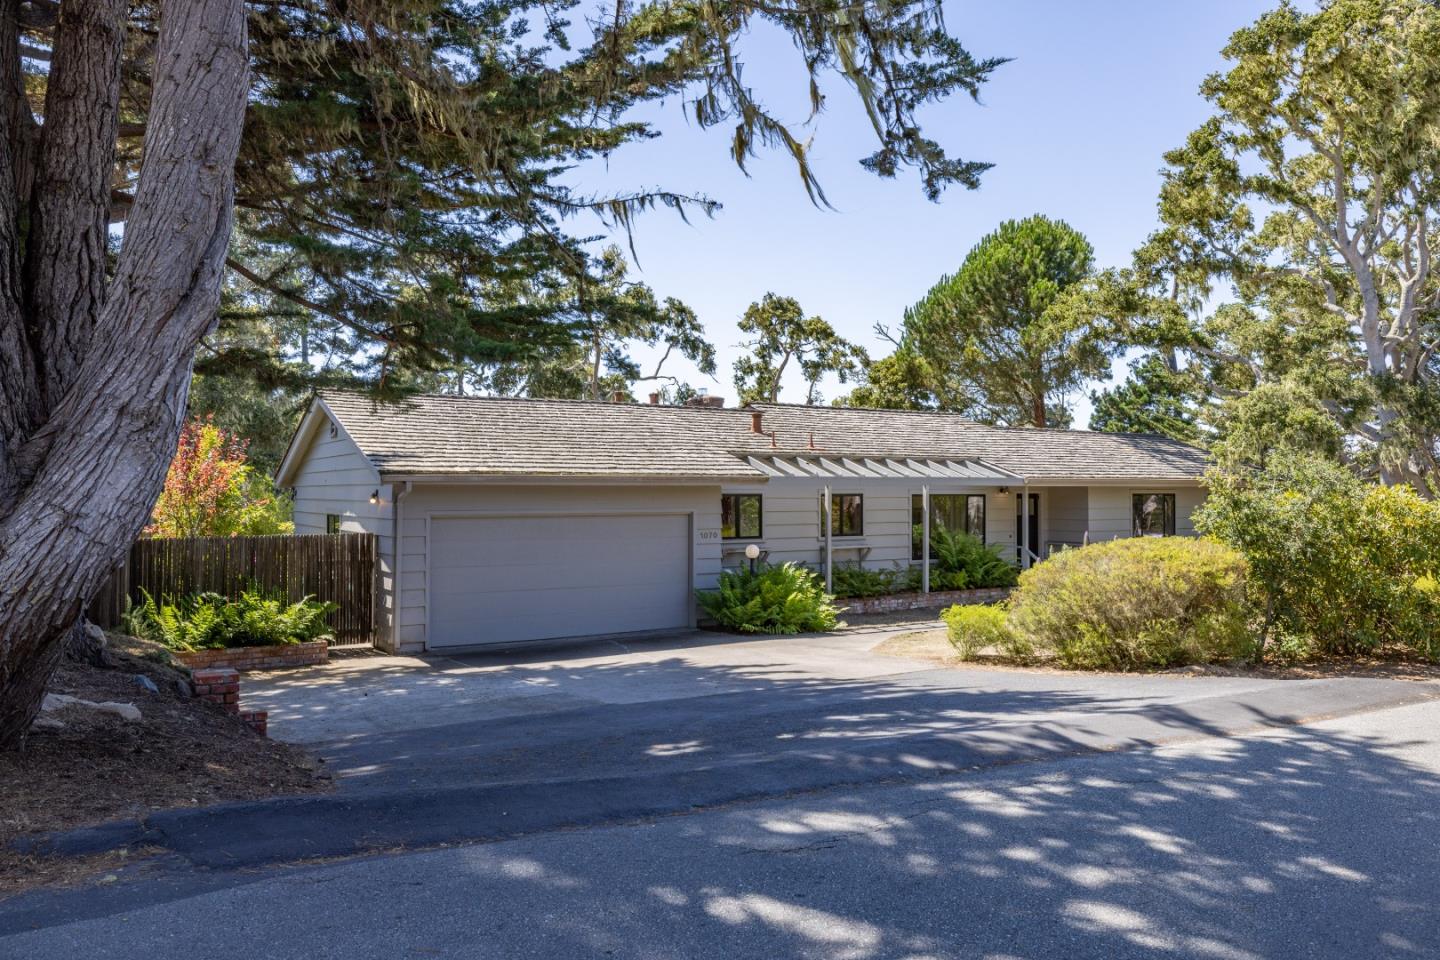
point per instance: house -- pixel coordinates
(502, 520)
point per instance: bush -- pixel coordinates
(973, 627)
(1337, 566)
(853, 580)
(1135, 604)
(775, 599)
(209, 621)
(964, 560)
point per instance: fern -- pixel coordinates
(775, 599)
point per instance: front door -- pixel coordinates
(1034, 540)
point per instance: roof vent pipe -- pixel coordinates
(812, 441)
(756, 426)
(774, 438)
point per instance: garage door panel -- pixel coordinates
(510, 579)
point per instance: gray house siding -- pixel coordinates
(1111, 508)
(1069, 516)
(335, 478)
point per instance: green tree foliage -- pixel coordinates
(403, 177)
(1153, 399)
(1338, 566)
(991, 334)
(780, 335)
(1312, 193)
(616, 315)
(904, 380)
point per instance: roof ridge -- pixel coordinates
(473, 398)
(970, 421)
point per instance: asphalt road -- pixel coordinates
(794, 799)
(1318, 841)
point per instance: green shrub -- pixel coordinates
(775, 599)
(1133, 604)
(209, 621)
(973, 627)
(1338, 566)
(962, 559)
(853, 580)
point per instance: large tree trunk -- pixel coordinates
(90, 423)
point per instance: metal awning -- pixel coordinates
(833, 466)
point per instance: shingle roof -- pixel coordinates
(448, 435)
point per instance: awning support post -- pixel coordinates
(925, 539)
(829, 551)
(1025, 550)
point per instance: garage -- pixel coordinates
(499, 580)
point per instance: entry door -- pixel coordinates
(1034, 523)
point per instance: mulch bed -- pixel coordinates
(182, 753)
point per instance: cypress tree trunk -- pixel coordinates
(95, 370)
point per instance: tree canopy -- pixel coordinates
(404, 179)
(1308, 204)
(780, 334)
(990, 330)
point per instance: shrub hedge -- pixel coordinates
(1338, 566)
(1134, 604)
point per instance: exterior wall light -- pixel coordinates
(374, 497)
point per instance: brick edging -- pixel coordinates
(921, 601)
(304, 654)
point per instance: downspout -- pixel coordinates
(829, 550)
(925, 538)
(398, 492)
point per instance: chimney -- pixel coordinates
(620, 396)
(705, 400)
(756, 426)
(654, 399)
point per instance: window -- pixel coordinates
(847, 515)
(332, 523)
(740, 516)
(955, 512)
(1154, 514)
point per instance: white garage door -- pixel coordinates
(508, 579)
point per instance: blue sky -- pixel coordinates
(1075, 125)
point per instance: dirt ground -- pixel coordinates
(99, 767)
(932, 645)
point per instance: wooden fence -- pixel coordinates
(339, 568)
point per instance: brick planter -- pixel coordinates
(258, 658)
(922, 601)
(220, 686)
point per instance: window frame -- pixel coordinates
(837, 515)
(916, 506)
(1168, 520)
(759, 516)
